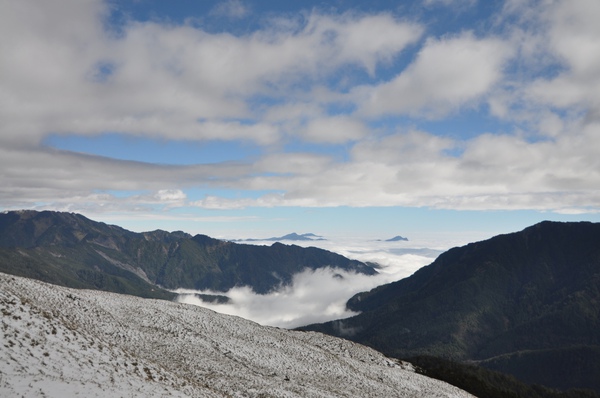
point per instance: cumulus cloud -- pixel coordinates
(573, 38)
(446, 74)
(367, 40)
(336, 129)
(328, 82)
(234, 9)
(161, 79)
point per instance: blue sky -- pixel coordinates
(343, 118)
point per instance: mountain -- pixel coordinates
(71, 250)
(228, 264)
(293, 237)
(397, 238)
(526, 303)
(63, 342)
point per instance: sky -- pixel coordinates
(242, 119)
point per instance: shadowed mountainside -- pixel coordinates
(526, 303)
(71, 250)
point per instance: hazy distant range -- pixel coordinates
(310, 237)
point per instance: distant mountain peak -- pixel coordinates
(396, 238)
(291, 237)
(295, 236)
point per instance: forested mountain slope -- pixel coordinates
(70, 250)
(526, 303)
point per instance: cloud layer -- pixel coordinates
(341, 104)
(320, 295)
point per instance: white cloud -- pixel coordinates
(288, 164)
(61, 72)
(447, 73)
(366, 40)
(163, 79)
(557, 44)
(336, 129)
(218, 203)
(573, 36)
(414, 169)
(410, 147)
(313, 296)
(234, 9)
(171, 196)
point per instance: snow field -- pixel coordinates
(59, 342)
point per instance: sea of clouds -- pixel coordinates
(321, 295)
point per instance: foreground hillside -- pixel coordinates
(526, 303)
(60, 342)
(71, 250)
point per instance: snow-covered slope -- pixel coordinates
(59, 342)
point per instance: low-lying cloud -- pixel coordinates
(314, 296)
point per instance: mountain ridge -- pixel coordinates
(291, 237)
(70, 249)
(513, 296)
